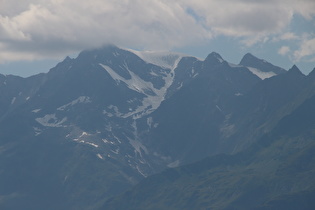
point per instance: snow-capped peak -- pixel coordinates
(167, 60)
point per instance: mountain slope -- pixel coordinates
(74, 132)
(275, 173)
(98, 124)
(257, 112)
(260, 67)
(74, 135)
(187, 126)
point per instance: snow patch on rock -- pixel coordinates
(81, 99)
(153, 96)
(50, 120)
(262, 75)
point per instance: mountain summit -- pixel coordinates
(96, 125)
(260, 67)
(295, 70)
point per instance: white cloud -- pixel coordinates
(47, 28)
(32, 29)
(242, 18)
(287, 36)
(284, 50)
(306, 49)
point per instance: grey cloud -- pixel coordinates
(83, 24)
(45, 28)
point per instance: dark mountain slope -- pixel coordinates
(250, 60)
(98, 124)
(16, 91)
(257, 112)
(187, 126)
(70, 137)
(277, 172)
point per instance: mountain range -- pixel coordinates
(122, 129)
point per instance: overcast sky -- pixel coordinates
(36, 34)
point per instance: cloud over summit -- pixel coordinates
(34, 29)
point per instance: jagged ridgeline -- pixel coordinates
(95, 126)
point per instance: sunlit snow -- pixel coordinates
(137, 145)
(107, 141)
(84, 134)
(81, 99)
(13, 100)
(218, 108)
(92, 144)
(173, 164)
(100, 156)
(36, 110)
(167, 60)
(50, 120)
(37, 131)
(151, 101)
(262, 75)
